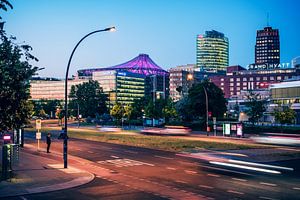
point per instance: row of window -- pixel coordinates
(265, 78)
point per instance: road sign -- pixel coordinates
(239, 130)
(38, 124)
(215, 120)
(227, 129)
(38, 135)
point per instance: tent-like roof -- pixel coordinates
(141, 64)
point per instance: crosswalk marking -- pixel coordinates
(124, 162)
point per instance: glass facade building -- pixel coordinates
(212, 51)
(267, 48)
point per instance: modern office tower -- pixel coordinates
(212, 51)
(267, 47)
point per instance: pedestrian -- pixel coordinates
(48, 142)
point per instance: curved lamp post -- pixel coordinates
(65, 146)
(206, 101)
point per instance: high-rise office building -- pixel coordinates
(212, 51)
(267, 47)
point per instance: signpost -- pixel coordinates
(38, 136)
(239, 132)
(227, 129)
(215, 125)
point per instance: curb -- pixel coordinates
(54, 187)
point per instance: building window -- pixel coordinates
(238, 84)
(222, 84)
(238, 79)
(258, 78)
(265, 78)
(244, 79)
(244, 83)
(222, 79)
(251, 79)
(244, 88)
(231, 79)
(231, 89)
(231, 84)
(278, 77)
(272, 78)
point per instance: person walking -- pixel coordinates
(48, 142)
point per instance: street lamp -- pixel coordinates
(206, 100)
(65, 145)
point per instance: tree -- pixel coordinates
(286, 116)
(15, 73)
(182, 107)
(117, 111)
(90, 98)
(138, 108)
(155, 109)
(169, 110)
(255, 107)
(197, 100)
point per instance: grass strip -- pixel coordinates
(168, 143)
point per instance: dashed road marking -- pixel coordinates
(171, 168)
(114, 156)
(213, 175)
(239, 179)
(268, 184)
(267, 198)
(90, 151)
(168, 158)
(296, 188)
(124, 162)
(206, 186)
(23, 198)
(181, 182)
(235, 192)
(133, 152)
(190, 172)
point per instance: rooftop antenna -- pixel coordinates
(268, 20)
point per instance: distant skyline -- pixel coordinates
(166, 30)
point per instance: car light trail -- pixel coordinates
(246, 167)
(261, 165)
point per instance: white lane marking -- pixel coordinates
(239, 179)
(90, 151)
(171, 168)
(190, 172)
(234, 192)
(260, 165)
(164, 157)
(267, 198)
(206, 186)
(296, 188)
(181, 182)
(23, 198)
(268, 184)
(134, 152)
(114, 156)
(245, 167)
(125, 162)
(213, 175)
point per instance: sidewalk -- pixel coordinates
(38, 172)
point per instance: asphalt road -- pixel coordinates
(125, 172)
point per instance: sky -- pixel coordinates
(166, 30)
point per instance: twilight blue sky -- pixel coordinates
(164, 29)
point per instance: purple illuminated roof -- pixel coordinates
(141, 64)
